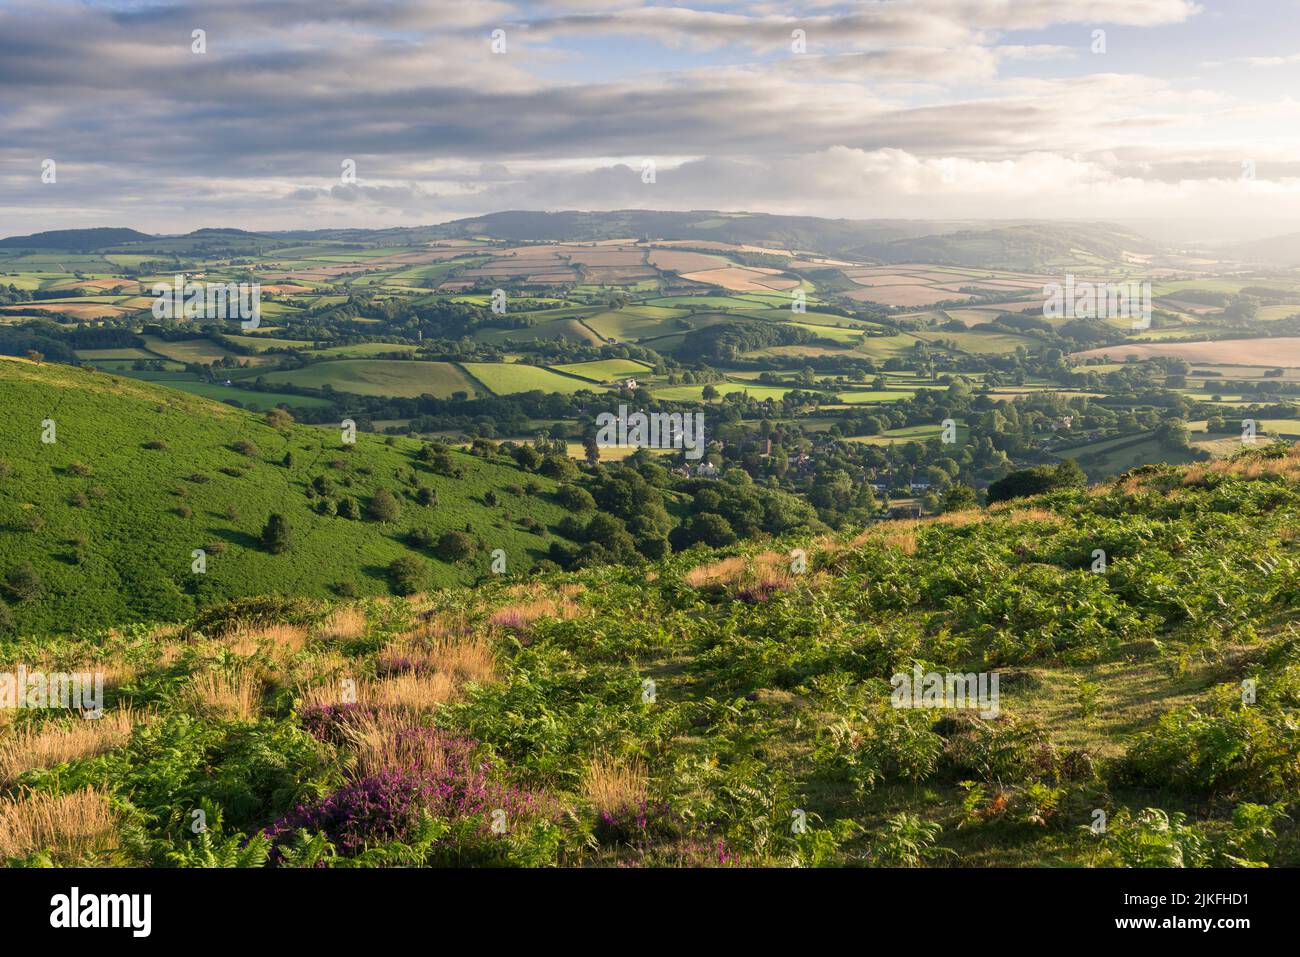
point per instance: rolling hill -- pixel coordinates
(101, 524)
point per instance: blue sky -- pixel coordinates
(943, 109)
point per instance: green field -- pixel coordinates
(397, 377)
(605, 370)
(507, 378)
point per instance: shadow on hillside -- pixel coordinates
(235, 537)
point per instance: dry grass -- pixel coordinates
(236, 695)
(57, 742)
(462, 659)
(343, 625)
(408, 692)
(520, 616)
(287, 638)
(723, 572)
(612, 785)
(67, 825)
(759, 574)
(380, 746)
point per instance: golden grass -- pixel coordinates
(722, 572)
(380, 746)
(766, 571)
(408, 692)
(67, 825)
(343, 625)
(56, 742)
(523, 614)
(236, 695)
(462, 659)
(612, 785)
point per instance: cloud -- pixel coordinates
(889, 95)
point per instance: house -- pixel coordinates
(629, 385)
(920, 487)
(706, 470)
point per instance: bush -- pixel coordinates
(455, 546)
(384, 507)
(23, 583)
(420, 538)
(275, 534)
(406, 575)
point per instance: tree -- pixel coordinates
(574, 499)
(1035, 481)
(275, 534)
(958, 497)
(455, 546)
(406, 575)
(23, 583)
(384, 507)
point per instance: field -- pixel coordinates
(380, 377)
(1276, 351)
(606, 370)
(505, 378)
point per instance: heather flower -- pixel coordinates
(374, 810)
(425, 771)
(634, 823)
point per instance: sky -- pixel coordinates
(112, 113)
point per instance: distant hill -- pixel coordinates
(75, 238)
(1025, 245)
(107, 516)
(1020, 245)
(1274, 251)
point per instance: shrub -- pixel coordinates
(384, 507)
(406, 575)
(275, 534)
(455, 546)
(23, 583)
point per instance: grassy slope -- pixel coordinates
(765, 706)
(139, 545)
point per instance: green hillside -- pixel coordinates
(687, 713)
(107, 516)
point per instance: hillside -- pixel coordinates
(1002, 245)
(139, 475)
(986, 245)
(75, 238)
(734, 708)
(1273, 251)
